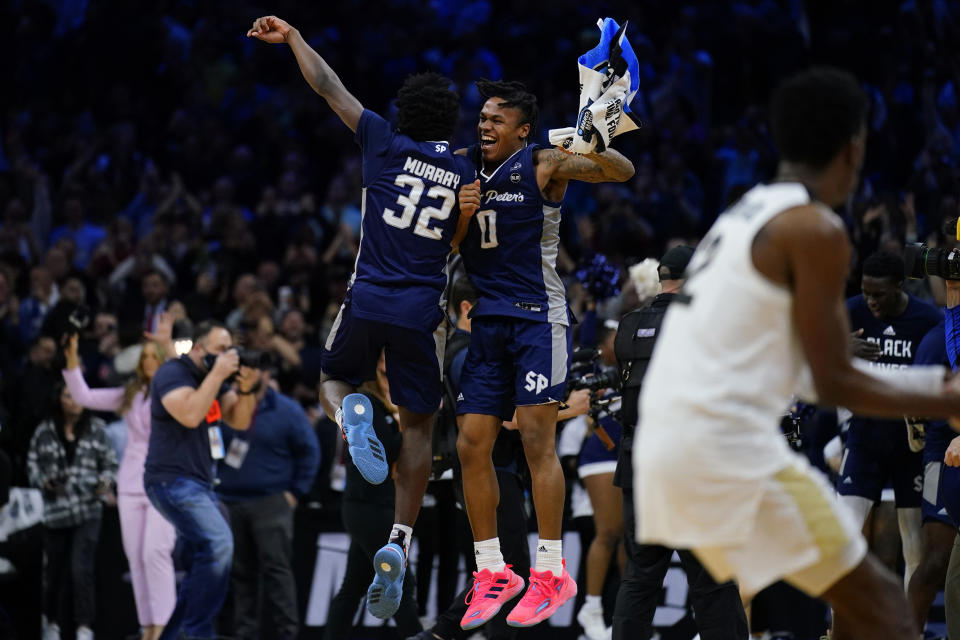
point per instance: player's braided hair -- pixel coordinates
(815, 113)
(514, 94)
(427, 108)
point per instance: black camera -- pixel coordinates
(251, 358)
(921, 260)
(585, 372)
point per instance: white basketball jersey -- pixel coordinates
(723, 371)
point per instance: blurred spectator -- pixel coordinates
(26, 398)
(86, 236)
(299, 373)
(156, 290)
(72, 462)
(44, 294)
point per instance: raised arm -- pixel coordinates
(97, 399)
(557, 165)
(315, 70)
(818, 256)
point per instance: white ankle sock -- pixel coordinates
(592, 602)
(550, 556)
(401, 535)
(488, 556)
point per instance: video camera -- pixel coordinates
(921, 260)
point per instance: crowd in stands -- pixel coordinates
(153, 159)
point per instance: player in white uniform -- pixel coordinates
(764, 309)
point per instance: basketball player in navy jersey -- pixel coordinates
(520, 343)
(938, 529)
(410, 181)
(879, 451)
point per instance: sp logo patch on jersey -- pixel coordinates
(440, 148)
(536, 382)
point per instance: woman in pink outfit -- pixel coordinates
(148, 538)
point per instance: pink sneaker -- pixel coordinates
(544, 596)
(490, 592)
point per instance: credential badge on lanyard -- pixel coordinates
(213, 431)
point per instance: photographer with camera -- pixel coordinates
(718, 608)
(589, 447)
(939, 566)
(190, 397)
(266, 470)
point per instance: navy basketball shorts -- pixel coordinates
(413, 358)
(512, 362)
(594, 457)
(941, 485)
(877, 453)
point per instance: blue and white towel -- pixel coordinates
(609, 79)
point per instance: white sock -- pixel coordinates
(338, 417)
(592, 602)
(488, 556)
(401, 535)
(550, 556)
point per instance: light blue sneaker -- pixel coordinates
(365, 448)
(383, 596)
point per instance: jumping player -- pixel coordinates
(520, 341)
(410, 180)
(762, 309)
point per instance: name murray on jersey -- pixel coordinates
(428, 171)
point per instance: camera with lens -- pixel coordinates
(585, 372)
(251, 358)
(921, 260)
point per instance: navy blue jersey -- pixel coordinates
(898, 337)
(933, 351)
(510, 251)
(409, 218)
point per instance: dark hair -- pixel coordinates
(56, 415)
(203, 329)
(815, 113)
(153, 271)
(515, 95)
(462, 290)
(427, 108)
(884, 264)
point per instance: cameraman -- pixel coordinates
(190, 397)
(718, 608)
(265, 472)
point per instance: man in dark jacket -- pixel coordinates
(719, 611)
(266, 470)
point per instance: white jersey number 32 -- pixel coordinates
(411, 201)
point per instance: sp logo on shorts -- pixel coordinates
(536, 382)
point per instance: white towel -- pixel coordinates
(608, 83)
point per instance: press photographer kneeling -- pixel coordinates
(190, 397)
